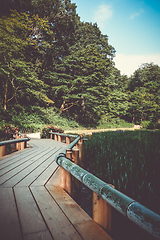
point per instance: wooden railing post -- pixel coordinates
(3, 150)
(102, 213)
(75, 155)
(75, 158)
(65, 177)
(67, 140)
(18, 145)
(59, 138)
(55, 137)
(51, 135)
(22, 145)
(25, 142)
(80, 146)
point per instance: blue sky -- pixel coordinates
(132, 26)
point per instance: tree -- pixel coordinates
(89, 35)
(7, 6)
(81, 84)
(118, 104)
(62, 18)
(17, 66)
(144, 88)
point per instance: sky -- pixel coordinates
(132, 27)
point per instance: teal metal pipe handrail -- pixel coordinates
(63, 134)
(3, 143)
(137, 213)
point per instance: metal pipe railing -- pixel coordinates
(137, 213)
(65, 135)
(3, 143)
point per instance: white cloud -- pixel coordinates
(127, 64)
(103, 13)
(137, 13)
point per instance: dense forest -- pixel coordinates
(51, 61)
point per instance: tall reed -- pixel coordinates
(130, 161)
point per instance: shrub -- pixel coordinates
(113, 123)
(7, 132)
(45, 131)
(150, 125)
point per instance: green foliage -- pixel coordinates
(129, 161)
(150, 125)
(144, 88)
(83, 88)
(18, 75)
(108, 122)
(45, 131)
(49, 57)
(33, 119)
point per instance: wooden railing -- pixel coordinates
(104, 195)
(16, 144)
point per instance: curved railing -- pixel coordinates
(17, 141)
(7, 142)
(142, 216)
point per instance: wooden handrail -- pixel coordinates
(136, 212)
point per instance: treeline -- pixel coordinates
(49, 58)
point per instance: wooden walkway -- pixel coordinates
(32, 205)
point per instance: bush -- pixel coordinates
(113, 123)
(45, 131)
(7, 132)
(34, 118)
(150, 125)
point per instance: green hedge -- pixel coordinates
(130, 161)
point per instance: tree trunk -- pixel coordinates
(83, 106)
(5, 96)
(133, 119)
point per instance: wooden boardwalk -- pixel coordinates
(32, 205)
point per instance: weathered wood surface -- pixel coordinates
(32, 204)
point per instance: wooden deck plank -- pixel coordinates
(36, 207)
(47, 174)
(18, 161)
(30, 217)
(78, 217)
(33, 175)
(9, 223)
(8, 159)
(58, 224)
(44, 235)
(12, 177)
(54, 180)
(31, 147)
(18, 156)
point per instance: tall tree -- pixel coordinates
(17, 66)
(81, 85)
(144, 87)
(89, 35)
